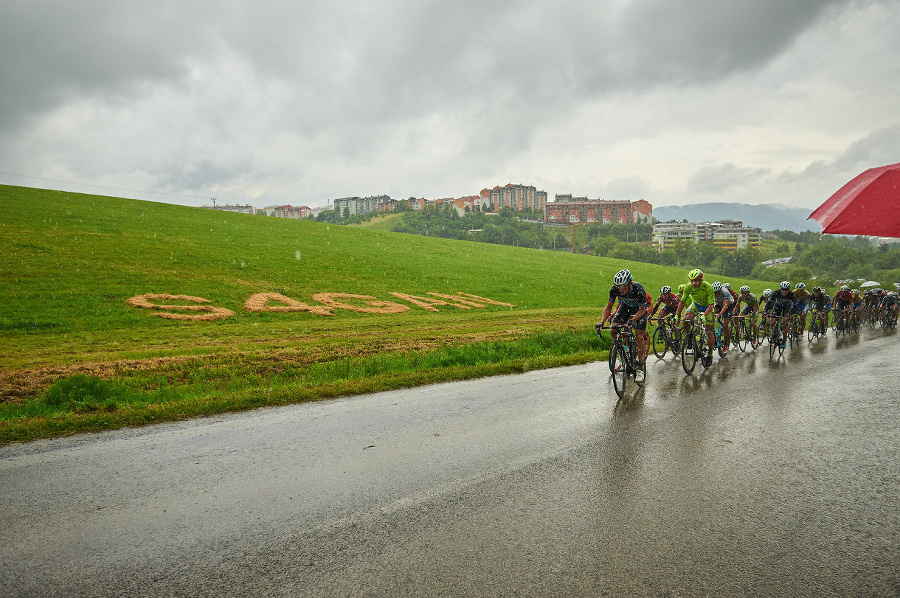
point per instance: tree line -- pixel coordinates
(824, 256)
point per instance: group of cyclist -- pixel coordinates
(699, 298)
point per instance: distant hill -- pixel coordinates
(765, 216)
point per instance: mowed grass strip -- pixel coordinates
(69, 262)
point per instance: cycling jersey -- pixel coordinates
(631, 303)
(723, 298)
(782, 303)
(818, 302)
(734, 298)
(702, 296)
(801, 296)
(843, 298)
(782, 299)
(636, 297)
(749, 300)
(668, 302)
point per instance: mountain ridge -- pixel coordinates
(764, 216)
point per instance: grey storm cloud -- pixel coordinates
(377, 60)
(269, 96)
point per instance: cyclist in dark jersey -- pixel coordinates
(783, 303)
(632, 310)
(890, 302)
(750, 303)
(819, 301)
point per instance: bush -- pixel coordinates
(81, 393)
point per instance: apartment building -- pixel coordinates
(667, 234)
(516, 197)
(568, 209)
(287, 211)
(727, 234)
(361, 205)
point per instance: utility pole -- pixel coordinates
(214, 201)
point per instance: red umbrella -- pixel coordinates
(867, 205)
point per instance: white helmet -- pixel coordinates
(786, 284)
(622, 277)
(745, 289)
(767, 293)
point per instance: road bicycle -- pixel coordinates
(665, 337)
(763, 329)
(694, 346)
(794, 336)
(744, 332)
(624, 360)
(748, 331)
(888, 318)
(871, 315)
(841, 324)
(776, 341)
(817, 325)
(719, 334)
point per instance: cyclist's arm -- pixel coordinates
(606, 312)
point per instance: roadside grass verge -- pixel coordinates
(83, 403)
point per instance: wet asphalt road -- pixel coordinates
(753, 478)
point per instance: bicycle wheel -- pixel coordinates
(689, 353)
(793, 332)
(620, 370)
(813, 332)
(752, 337)
(740, 335)
(703, 349)
(612, 357)
(774, 342)
(660, 342)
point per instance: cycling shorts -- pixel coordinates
(782, 311)
(625, 313)
(798, 308)
(696, 308)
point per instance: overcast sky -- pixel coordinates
(271, 102)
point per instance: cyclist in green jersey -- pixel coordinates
(699, 298)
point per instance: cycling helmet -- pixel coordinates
(817, 289)
(745, 289)
(767, 293)
(786, 284)
(845, 288)
(681, 288)
(622, 277)
(726, 285)
(695, 274)
(717, 287)
(856, 291)
(665, 290)
(800, 286)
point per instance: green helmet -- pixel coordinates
(695, 274)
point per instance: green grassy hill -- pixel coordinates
(69, 263)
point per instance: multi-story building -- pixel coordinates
(666, 234)
(727, 234)
(287, 211)
(516, 197)
(567, 209)
(360, 205)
